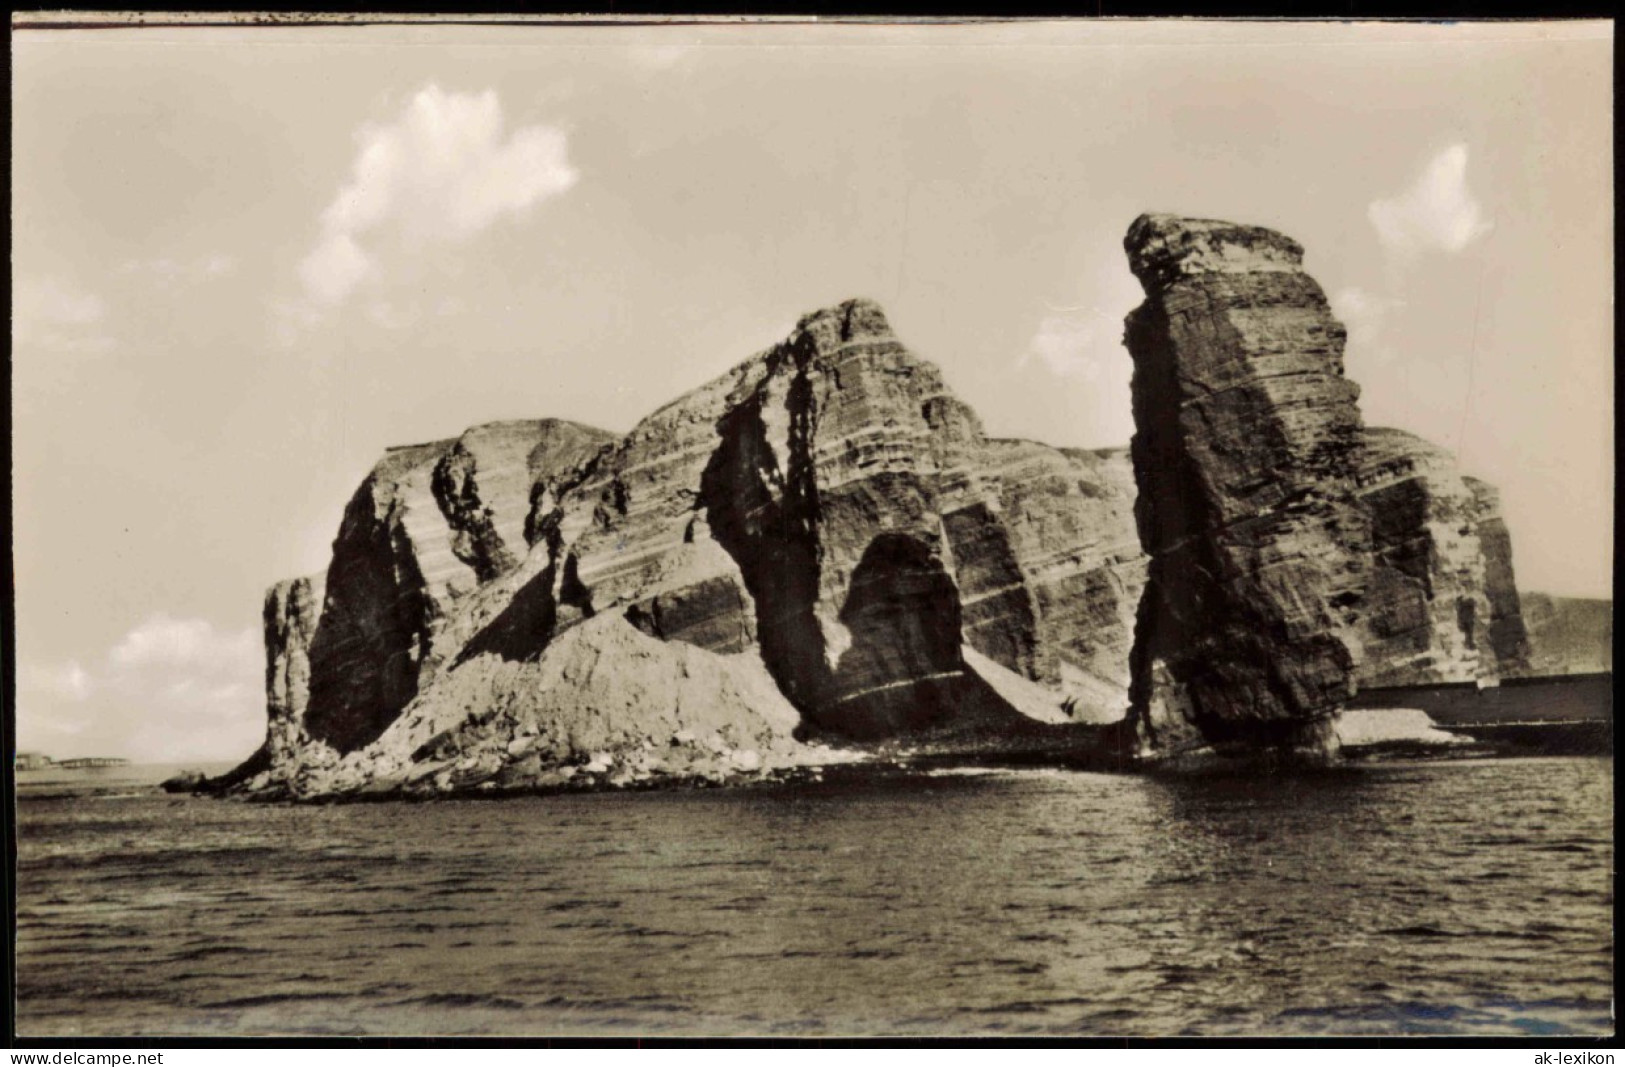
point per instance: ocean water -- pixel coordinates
(1451, 897)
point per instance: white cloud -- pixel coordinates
(57, 313)
(1069, 345)
(335, 268)
(390, 316)
(161, 640)
(55, 301)
(1076, 345)
(441, 172)
(170, 689)
(290, 319)
(1437, 213)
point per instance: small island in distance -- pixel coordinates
(819, 558)
(38, 761)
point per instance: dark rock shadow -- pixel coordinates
(766, 518)
(522, 630)
(904, 670)
(373, 633)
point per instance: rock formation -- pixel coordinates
(1246, 449)
(428, 525)
(820, 544)
(1441, 604)
(1509, 635)
(822, 548)
(1438, 539)
(292, 610)
(1568, 635)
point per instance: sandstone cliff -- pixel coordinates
(1438, 540)
(292, 610)
(428, 525)
(1441, 604)
(821, 549)
(1246, 447)
(820, 545)
(1568, 635)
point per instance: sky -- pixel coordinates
(245, 261)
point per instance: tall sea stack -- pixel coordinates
(1248, 439)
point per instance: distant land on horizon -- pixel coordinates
(37, 761)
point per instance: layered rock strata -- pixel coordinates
(290, 613)
(607, 705)
(822, 548)
(1246, 449)
(821, 543)
(428, 525)
(1508, 633)
(292, 610)
(1441, 604)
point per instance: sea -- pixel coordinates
(1451, 897)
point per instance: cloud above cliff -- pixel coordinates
(170, 688)
(1438, 212)
(161, 640)
(442, 171)
(1074, 367)
(1436, 215)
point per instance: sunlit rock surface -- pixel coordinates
(1441, 605)
(428, 525)
(824, 529)
(821, 551)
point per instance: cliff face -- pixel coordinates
(292, 610)
(1441, 605)
(819, 544)
(1246, 447)
(428, 525)
(876, 531)
(831, 506)
(290, 614)
(1438, 540)
(1509, 634)
(1070, 522)
(822, 546)
(1568, 635)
